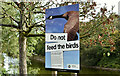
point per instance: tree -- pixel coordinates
(99, 36)
(101, 25)
(24, 22)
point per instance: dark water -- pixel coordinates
(83, 71)
(37, 68)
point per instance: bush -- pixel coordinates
(91, 56)
(109, 62)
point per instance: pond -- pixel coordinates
(11, 65)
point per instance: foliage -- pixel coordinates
(25, 20)
(91, 56)
(34, 24)
(110, 62)
(40, 48)
(9, 41)
(99, 37)
(10, 36)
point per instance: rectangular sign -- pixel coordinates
(62, 38)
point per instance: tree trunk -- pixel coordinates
(22, 44)
(22, 55)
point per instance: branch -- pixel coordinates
(44, 5)
(32, 5)
(87, 35)
(35, 35)
(106, 46)
(2, 17)
(16, 3)
(10, 16)
(6, 25)
(34, 25)
(91, 30)
(38, 22)
(41, 25)
(38, 12)
(12, 5)
(13, 19)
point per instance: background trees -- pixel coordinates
(23, 29)
(99, 36)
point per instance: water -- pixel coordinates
(12, 67)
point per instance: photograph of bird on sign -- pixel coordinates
(62, 38)
(67, 21)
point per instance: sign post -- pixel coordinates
(62, 39)
(54, 73)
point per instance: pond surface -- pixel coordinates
(37, 67)
(11, 65)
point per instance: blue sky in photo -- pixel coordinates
(57, 25)
(48, 60)
(70, 57)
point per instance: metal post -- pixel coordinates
(119, 8)
(73, 74)
(54, 73)
(119, 14)
(90, 0)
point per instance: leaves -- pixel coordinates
(100, 31)
(11, 13)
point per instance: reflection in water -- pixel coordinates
(37, 67)
(11, 64)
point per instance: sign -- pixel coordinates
(62, 38)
